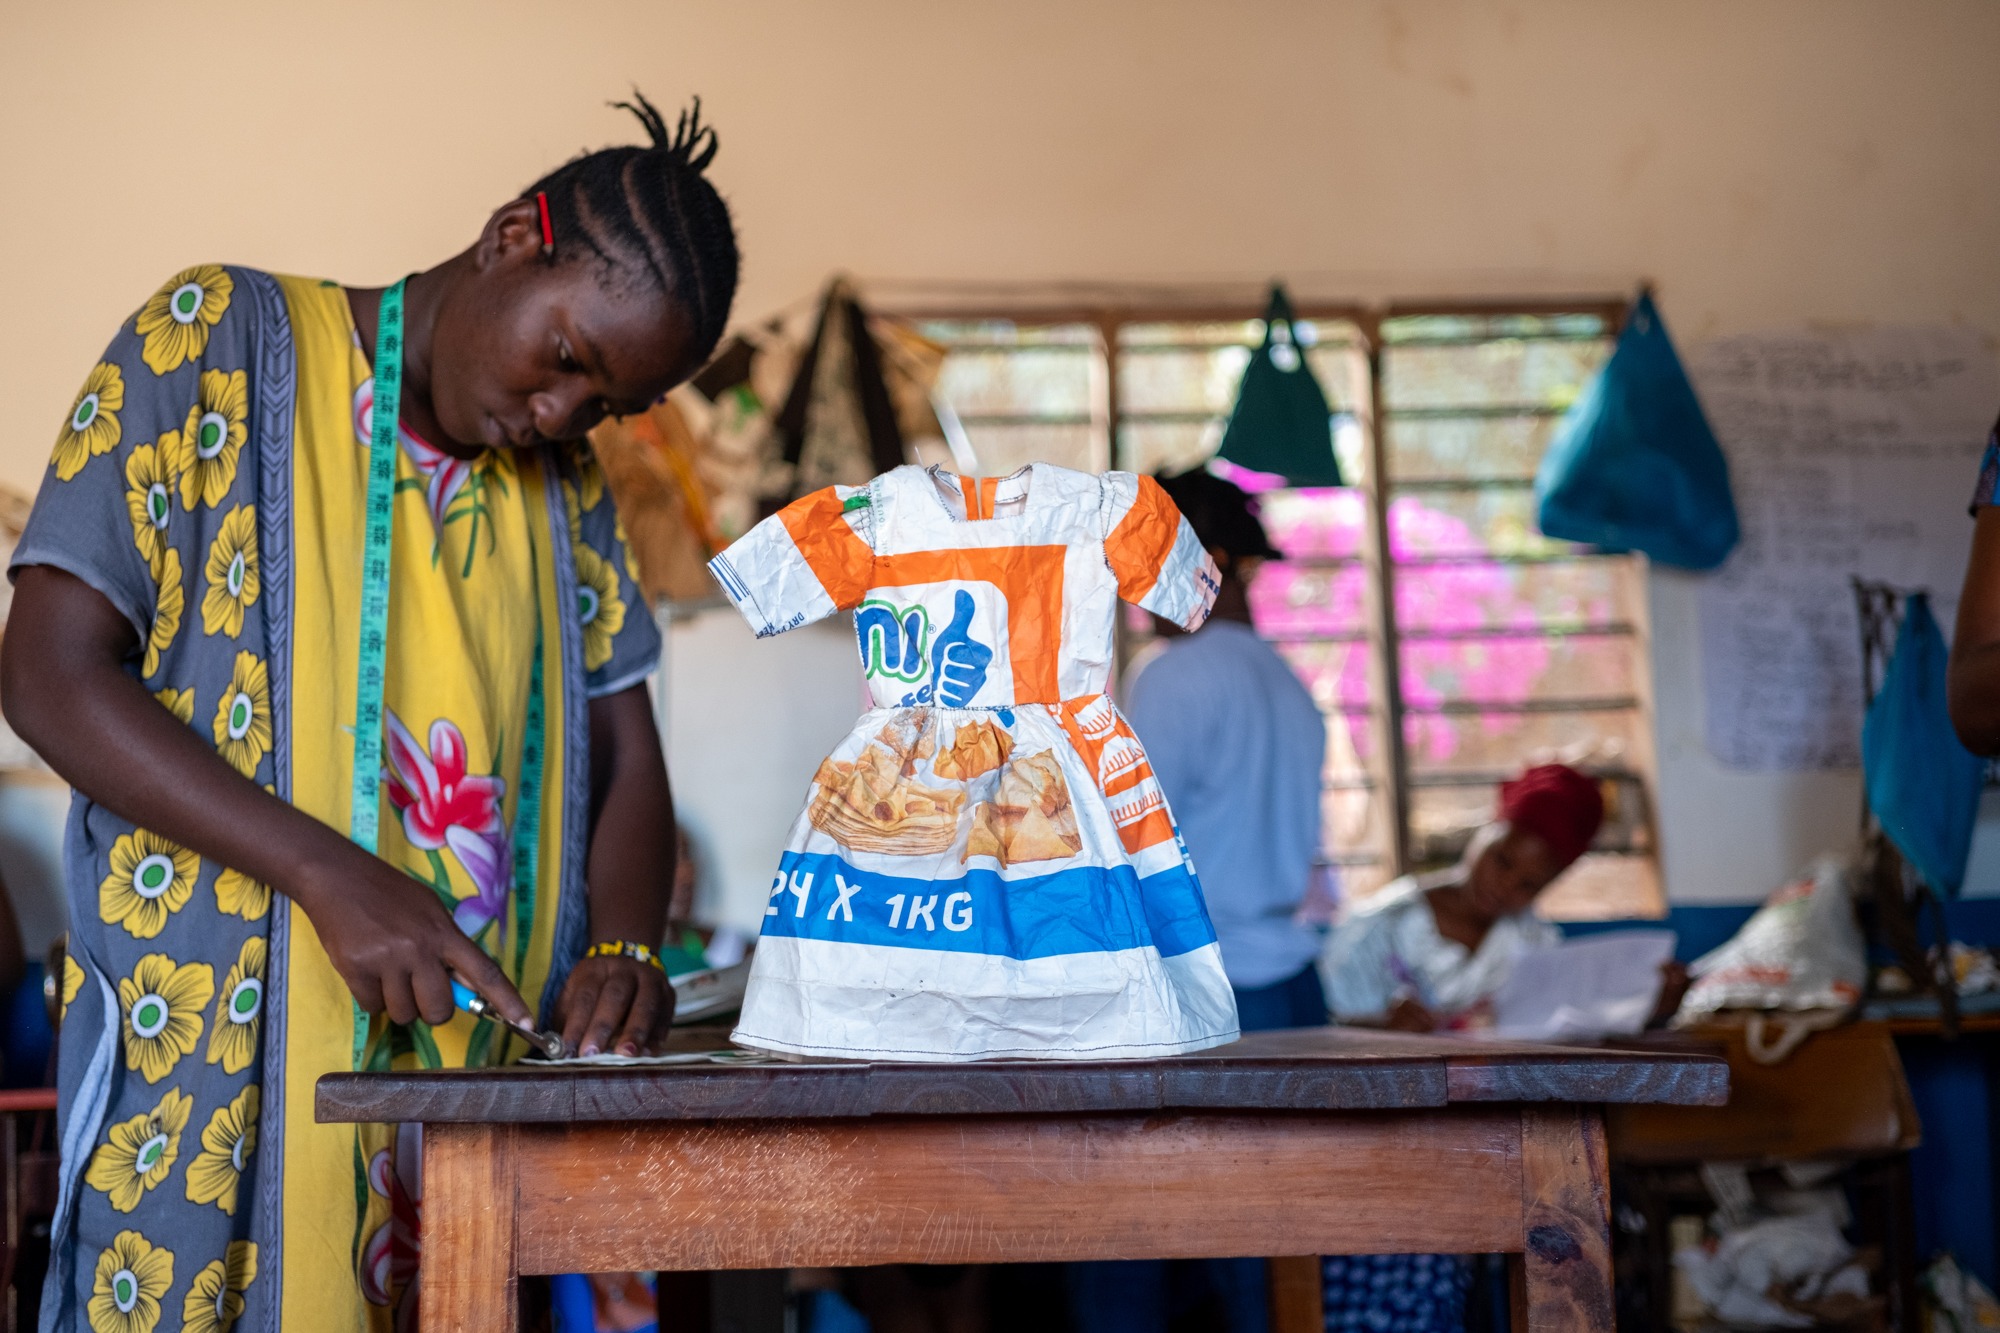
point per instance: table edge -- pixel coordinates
(860, 1090)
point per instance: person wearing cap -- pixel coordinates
(1238, 746)
(1428, 950)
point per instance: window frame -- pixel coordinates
(1389, 709)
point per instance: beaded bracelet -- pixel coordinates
(625, 949)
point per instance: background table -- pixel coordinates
(1320, 1141)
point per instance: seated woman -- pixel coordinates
(1426, 953)
(1428, 950)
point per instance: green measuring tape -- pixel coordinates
(364, 816)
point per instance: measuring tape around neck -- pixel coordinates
(364, 817)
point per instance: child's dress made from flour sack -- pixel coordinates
(986, 866)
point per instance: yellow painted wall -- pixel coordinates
(1766, 162)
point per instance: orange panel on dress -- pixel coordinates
(1132, 794)
(1143, 539)
(1031, 580)
(834, 552)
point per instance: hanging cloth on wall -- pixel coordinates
(1923, 785)
(1281, 423)
(838, 426)
(1634, 465)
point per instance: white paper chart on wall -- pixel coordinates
(1850, 453)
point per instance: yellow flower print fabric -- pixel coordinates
(226, 1144)
(231, 573)
(149, 487)
(169, 601)
(72, 983)
(215, 1298)
(211, 438)
(133, 1276)
(163, 1003)
(599, 608)
(141, 1152)
(243, 716)
(236, 894)
(232, 1033)
(92, 427)
(151, 878)
(620, 642)
(177, 321)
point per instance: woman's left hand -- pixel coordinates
(620, 1005)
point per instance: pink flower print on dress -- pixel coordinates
(433, 792)
(444, 476)
(390, 1259)
(490, 862)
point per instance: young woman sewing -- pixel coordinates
(266, 624)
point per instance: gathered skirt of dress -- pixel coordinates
(960, 886)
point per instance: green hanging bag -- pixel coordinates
(1281, 423)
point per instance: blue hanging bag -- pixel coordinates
(1923, 785)
(1633, 465)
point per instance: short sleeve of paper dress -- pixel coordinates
(810, 559)
(621, 644)
(1987, 492)
(1159, 562)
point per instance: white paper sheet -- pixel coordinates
(729, 1056)
(1595, 986)
(1850, 454)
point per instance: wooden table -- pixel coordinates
(1321, 1141)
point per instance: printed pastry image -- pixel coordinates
(870, 805)
(910, 736)
(1030, 817)
(977, 749)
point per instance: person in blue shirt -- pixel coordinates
(1237, 744)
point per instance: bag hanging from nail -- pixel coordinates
(1634, 465)
(1281, 423)
(1923, 785)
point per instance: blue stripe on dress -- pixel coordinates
(1085, 909)
(725, 574)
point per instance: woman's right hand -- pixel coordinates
(1406, 1015)
(393, 943)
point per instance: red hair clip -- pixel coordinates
(548, 231)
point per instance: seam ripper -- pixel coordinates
(550, 1044)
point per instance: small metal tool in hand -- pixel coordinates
(550, 1044)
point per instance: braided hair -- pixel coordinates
(649, 213)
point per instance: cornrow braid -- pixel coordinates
(651, 211)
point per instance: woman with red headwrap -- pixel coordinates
(1423, 954)
(1428, 949)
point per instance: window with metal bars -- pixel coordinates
(1447, 641)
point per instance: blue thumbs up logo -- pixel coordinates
(958, 661)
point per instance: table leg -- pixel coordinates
(1561, 1282)
(1298, 1296)
(469, 1271)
